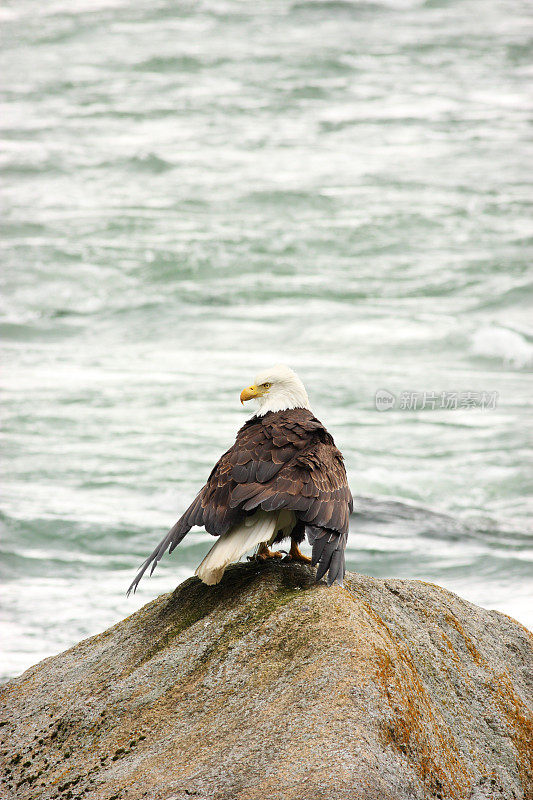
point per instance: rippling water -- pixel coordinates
(193, 191)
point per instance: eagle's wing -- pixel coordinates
(312, 483)
(285, 459)
(211, 508)
(191, 517)
(328, 552)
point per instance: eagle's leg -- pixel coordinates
(263, 552)
(296, 554)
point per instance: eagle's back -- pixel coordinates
(284, 459)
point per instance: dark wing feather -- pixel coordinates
(192, 516)
(327, 553)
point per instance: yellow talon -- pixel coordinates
(263, 553)
(297, 555)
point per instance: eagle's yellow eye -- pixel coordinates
(267, 385)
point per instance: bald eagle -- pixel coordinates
(282, 479)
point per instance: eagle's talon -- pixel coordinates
(263, 553)
(295, 554)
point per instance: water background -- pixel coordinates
(193, 191)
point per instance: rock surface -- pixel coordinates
(268, 687)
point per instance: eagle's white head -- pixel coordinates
(276, 389)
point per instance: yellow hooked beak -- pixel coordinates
(250, 392)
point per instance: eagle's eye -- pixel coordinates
(267, 385)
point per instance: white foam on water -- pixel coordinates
(504, 345)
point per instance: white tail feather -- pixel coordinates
(255, 529)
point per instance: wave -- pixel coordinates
(20, 169)
(392, 517)
(520, 294)
(502, 344)
(357, 8)
(172, 64)
(381, 514)
(292, 197)
(142, 162)
(150, 162)
(36, 332)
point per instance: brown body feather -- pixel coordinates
(284, 459)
